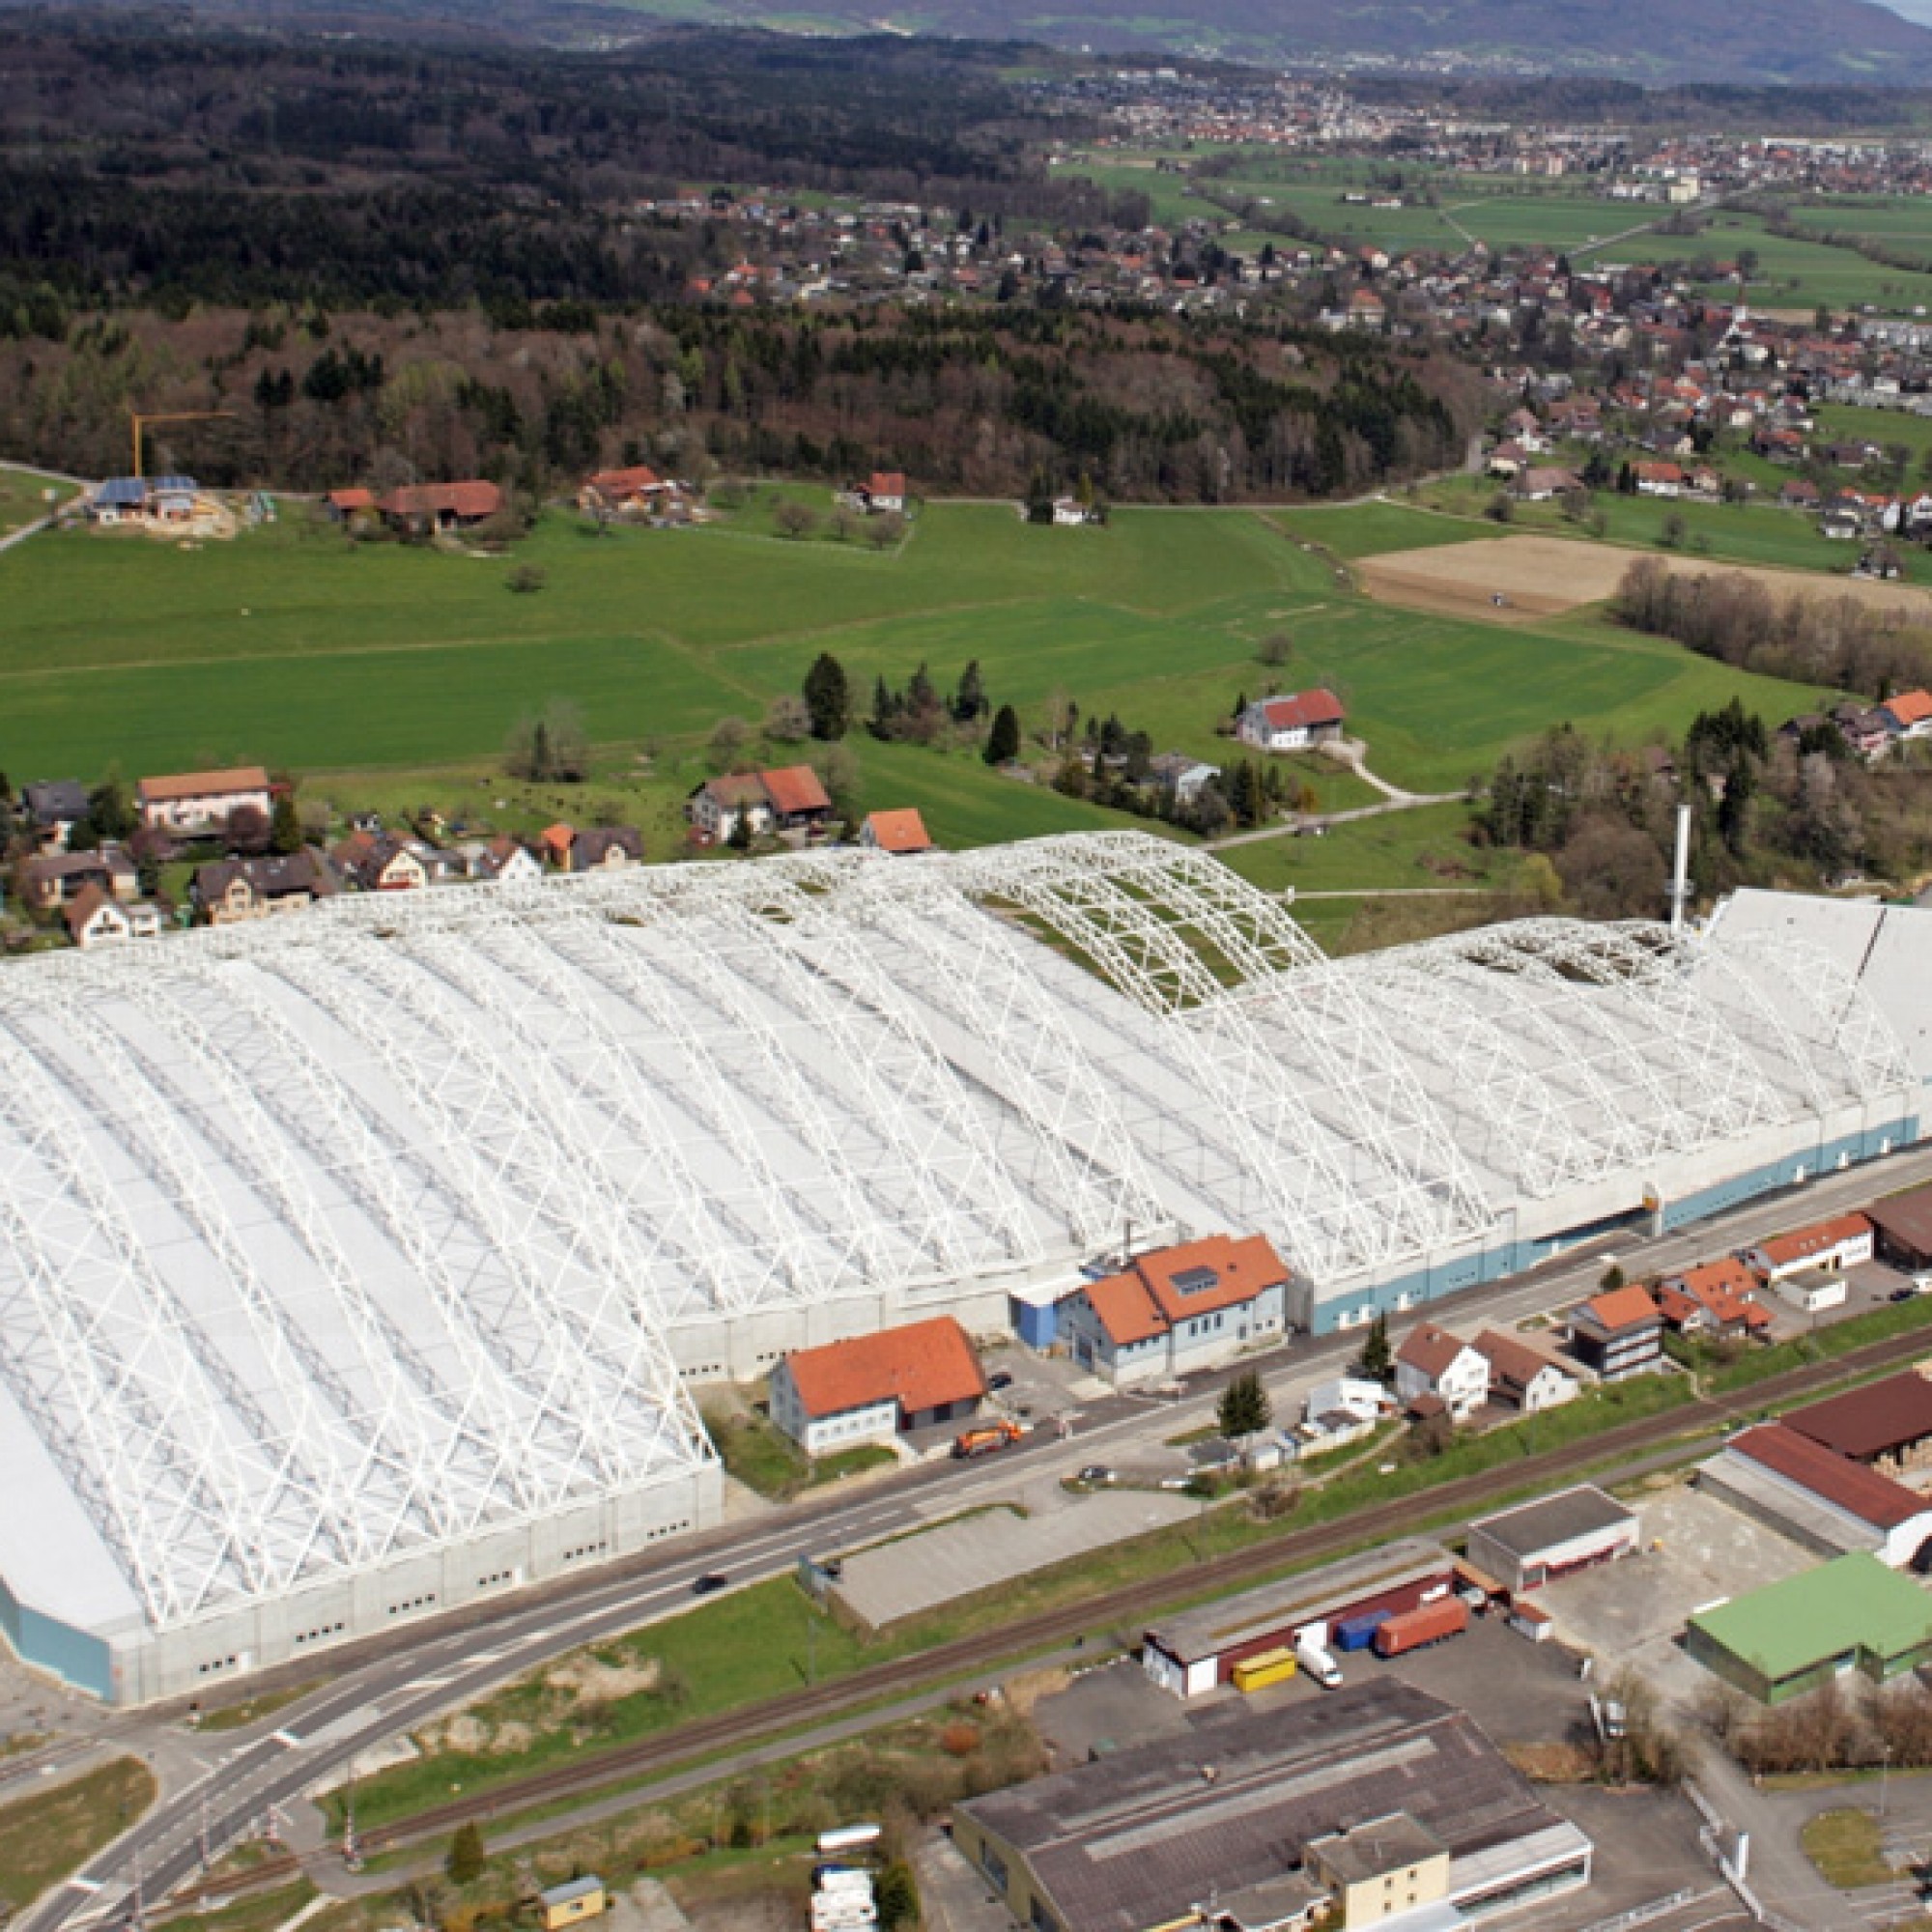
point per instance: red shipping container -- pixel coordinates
(1449, 1616)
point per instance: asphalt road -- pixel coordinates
(410, 1679)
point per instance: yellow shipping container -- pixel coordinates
(1270, 1666)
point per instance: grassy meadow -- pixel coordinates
(387, 677)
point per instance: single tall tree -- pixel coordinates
(466, 1854)
(827, 696)
(1003, 742)
(1244, 1409)
(1378, 1357)
(285, 831)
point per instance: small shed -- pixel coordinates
(572, 1903)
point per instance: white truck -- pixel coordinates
(1314, 1660)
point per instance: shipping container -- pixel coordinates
(1359, 1632)
(1270, 1666)
(1447, 1616)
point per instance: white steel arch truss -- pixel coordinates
(601, 1351)
(530, 1451)
(433, 1442)
(504, 1141)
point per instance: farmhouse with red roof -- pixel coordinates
(1292, 723)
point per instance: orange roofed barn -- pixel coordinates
(1186, 1307)
(868, 1389)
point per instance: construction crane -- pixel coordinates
(141, 423)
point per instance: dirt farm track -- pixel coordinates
(1542, 577)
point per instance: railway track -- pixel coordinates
(671, 1750)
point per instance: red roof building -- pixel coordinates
(797, 794)
(1887, 1425)
(902, 832)
(1843, 1241)
(1290, 724)
(1715, 1298)
(1180, 1307)
(441, 505)
(868, 1389)
(1828, 1500)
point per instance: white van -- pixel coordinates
(1319, 1664)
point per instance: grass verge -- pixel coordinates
(44, 1837)
(1844, 1846)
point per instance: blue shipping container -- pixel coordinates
(1359, 1632)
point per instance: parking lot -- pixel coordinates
(1695, 1551)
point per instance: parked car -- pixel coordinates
(1097, 1472)
(999, 1381)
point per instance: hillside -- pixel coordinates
(1798, 40)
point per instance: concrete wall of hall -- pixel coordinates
(1706, 1182)
(204, 1658)
(744, 1347)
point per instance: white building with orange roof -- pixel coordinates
(1178, 1308)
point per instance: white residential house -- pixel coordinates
(1523, 1378)
(1292, 723)
(1180, 1308)
(94, 919)
(1432, 1362)
(1830, 1247)
(191, 801)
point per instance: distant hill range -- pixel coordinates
(1647, 41)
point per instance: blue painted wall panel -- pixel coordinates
(82, 1660)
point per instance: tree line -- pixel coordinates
(1809, 639)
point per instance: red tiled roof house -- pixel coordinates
(1292, 723)
(191, 801)
(1618, 1333)
(1432, 1362)
(1185, 1307)
(868, 1389)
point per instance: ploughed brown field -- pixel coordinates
(1541, 577)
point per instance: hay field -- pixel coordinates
(1544, 577)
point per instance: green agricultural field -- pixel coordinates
(1755, 533)
(1838, 423)
(1369, 529)
(26, 495)
(1796, 273)
(390, 677)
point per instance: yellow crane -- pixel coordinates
(141, 422)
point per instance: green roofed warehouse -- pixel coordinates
(1797, 1635)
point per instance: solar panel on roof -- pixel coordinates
(121, 492)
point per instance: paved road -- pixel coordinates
(403, 1681)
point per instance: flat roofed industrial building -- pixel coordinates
(1539, 1542)
(355, 1265)
(1375, 1780)
(1797, 1635)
